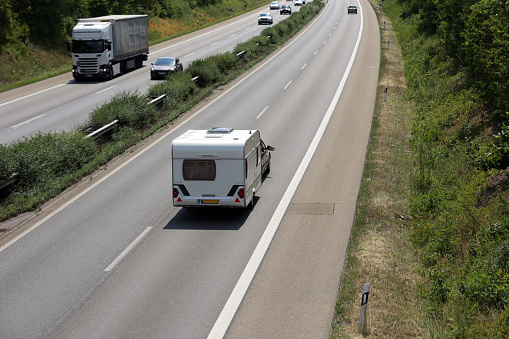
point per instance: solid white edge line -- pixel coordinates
(225, 318)
(127, 250)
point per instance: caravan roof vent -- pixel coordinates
(220, 130)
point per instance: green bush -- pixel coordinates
(250, 50)
(44, 159)
(206, 70)
(177, 88)
(272, 34)
(283, 29)
(130, 109)
(226, 62)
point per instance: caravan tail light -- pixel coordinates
(241, 193)
(175, 192)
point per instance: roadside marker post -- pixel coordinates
(364, 305)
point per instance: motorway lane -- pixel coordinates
(66, 105)
(294, 292)
(186, 265)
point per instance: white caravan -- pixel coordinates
(219, 167)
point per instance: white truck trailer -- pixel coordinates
(106, 46)
(220, 167)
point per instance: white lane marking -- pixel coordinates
(230, 308)
(106, 89)
(185, 56)
(28, 121)
(127, 250)
(31, 95)
(288, 85)
(316, 52)
(304, 66)
(231, 36)
(260, 115)
(324, 42)
(247, 28)
(215, 43)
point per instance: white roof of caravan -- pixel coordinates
(226, 143)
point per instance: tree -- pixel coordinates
(486, 50)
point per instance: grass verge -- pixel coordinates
(380, 250)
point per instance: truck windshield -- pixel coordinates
(88, 46)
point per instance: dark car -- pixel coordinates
(165, 66)
(352, 9)
(265, 18)
(285, 9)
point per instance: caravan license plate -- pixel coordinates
(210, 201)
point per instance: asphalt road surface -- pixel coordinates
(112, 258)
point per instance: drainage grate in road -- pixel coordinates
(311, 209)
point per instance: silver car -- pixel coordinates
(274, 5)
(265, 18)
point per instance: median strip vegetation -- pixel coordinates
(46, 164)
(432, 226)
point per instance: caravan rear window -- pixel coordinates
(199, 170)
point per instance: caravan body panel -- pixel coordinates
(216, 167)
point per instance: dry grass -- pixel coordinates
(381, 252)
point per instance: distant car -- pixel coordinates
(165, 66)
(265, 18)
(352, 9)
(298, 2)
(285, 9)
(274, 5)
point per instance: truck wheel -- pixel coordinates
(110, 73)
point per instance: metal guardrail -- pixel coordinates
(102, 130)
(10, 181)
(157, 100)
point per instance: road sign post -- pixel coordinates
(364, 305)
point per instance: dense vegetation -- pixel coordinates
(49, 22)
(456, 55)
(48, 163)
